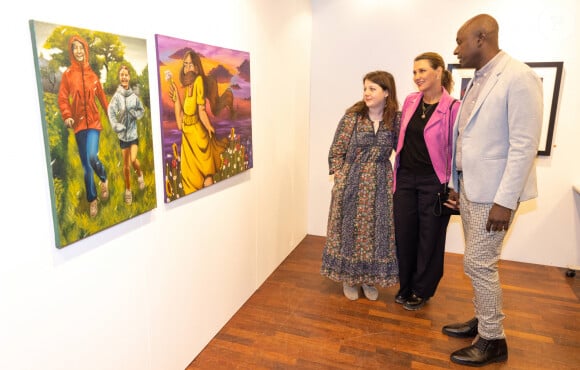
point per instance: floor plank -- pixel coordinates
(298, 319)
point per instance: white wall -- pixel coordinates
(151, 292)
(350, 38)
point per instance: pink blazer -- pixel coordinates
(438, 133)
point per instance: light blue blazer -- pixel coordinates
(500, 140)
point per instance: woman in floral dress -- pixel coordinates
(360, 245)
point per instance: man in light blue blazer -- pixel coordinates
(495, 143)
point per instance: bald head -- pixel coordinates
(484, 25)
(477, 41)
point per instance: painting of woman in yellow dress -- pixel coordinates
(201, 113)
(200, 151)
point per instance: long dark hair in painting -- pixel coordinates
(216, 102)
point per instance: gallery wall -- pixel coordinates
(150, 292)
(351, 38)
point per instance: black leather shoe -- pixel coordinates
(481, 353)
(462, 330)
(415, 303)
(401, 299)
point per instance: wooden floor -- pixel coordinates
(299, 320)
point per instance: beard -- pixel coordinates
(187, 79)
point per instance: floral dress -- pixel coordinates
(360, 244)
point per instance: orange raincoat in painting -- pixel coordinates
(78, 88)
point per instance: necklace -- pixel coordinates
(425, 109)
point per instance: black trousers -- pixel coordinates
(420, 235)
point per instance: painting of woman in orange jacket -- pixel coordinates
(79, 91)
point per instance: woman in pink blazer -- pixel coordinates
(422, 168)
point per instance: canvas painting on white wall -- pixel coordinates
(93, 89)
(206, 117)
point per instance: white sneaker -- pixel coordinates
(128, 196)
(350, 292)
(370, 292)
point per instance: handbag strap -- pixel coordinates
(447, 149)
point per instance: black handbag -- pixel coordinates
(439, 208)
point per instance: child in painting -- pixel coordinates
(78, 91)
(124, 111)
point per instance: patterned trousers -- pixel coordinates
(480, 261)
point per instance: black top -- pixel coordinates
(414, 155)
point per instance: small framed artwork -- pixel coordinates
(551, 75)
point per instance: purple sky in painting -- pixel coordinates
(169, 45)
